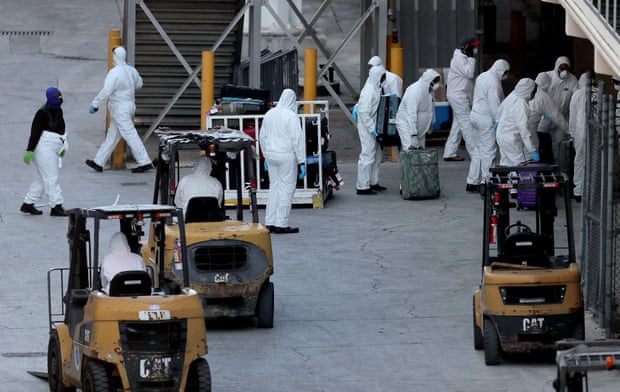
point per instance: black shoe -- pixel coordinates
(285, 230)
(142, 169)
(92, 164)
(472, 188)
(577, 198)
(58, 210)
(30, 209)
(271, 228)
(366, 192)
(378, 187)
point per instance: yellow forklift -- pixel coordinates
(229, 260)
(139, 336)
(530, 292)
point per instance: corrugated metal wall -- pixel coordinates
(193, 26)
(430, 31)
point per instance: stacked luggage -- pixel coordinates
(244, 100)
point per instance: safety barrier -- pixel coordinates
(314, 192)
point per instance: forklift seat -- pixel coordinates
(203, 209)
(130, 284)
(527, 247)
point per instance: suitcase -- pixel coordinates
(419, 174)
(331, 175)
(312, 142)
(386, 121)
(254, 94)
(566, 159)
(527, 198)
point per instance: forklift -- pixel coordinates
(139, 335)
(229, 259)
(530, 293)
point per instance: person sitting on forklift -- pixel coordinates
(200, 194)
(118, 260)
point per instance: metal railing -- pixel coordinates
(609, 11)
(278, 70)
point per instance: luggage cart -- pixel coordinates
(575, 358)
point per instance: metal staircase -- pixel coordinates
(169, 37)
(599, 22)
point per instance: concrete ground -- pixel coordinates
(374, 294)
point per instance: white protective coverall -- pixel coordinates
(370, 155)
(460, 90)
(577, 130)
(282, 142)
(488, 95)
(561, 89)
(393, 83)
(199, 183)
(415, 115)
(118, 260)
(544, 114)
(514, 139)
(119, 87)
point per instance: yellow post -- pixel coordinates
(310, 67)
(396, 66)
(208, 81)
(117, 160)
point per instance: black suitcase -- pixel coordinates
(331, 175)
(386, 120)
(313, 143)
(232, 91)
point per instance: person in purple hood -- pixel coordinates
(46, 146)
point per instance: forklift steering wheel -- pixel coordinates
(521, 228)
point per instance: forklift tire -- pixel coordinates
(54, 365)
(199, 376)
(478, 339)
(95, 378)
(492, 348)
(264, 307)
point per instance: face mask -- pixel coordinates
(563, 74)
(435, 86)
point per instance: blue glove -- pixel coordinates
(393, 95)
(265, 165)
(495, 127)
(375, 134)
(302, 168)
(545, 117)
(354, 113)
(535, 156)
(92, 109)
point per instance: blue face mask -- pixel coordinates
(54, 97)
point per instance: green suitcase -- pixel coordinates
(419, 174)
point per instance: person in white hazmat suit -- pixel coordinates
(119, 259)
(514, 139)
(563, 85)
(200, 183)
(544, 115)
(488, 95)
(282, 142)
(370, 155)
(393, 84)
(46, 146)
(460, 90)
(416, 112)
(119, 87)
(577, 130)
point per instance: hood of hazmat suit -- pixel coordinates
(544, 112)
(281, 131)
(488, 91)
(561, 89)
(120, 84)
(199, 183)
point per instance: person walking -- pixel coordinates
(370, 155)
(414, 118)
(46, 146)
(282, 142)
(488, 95)
(459, 93)
(514, 139)
(120, 87)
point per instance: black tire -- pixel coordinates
(199, 376)
(264, 306)
(478, 338)
(492, 348)
(95, 378)
(54, 365)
